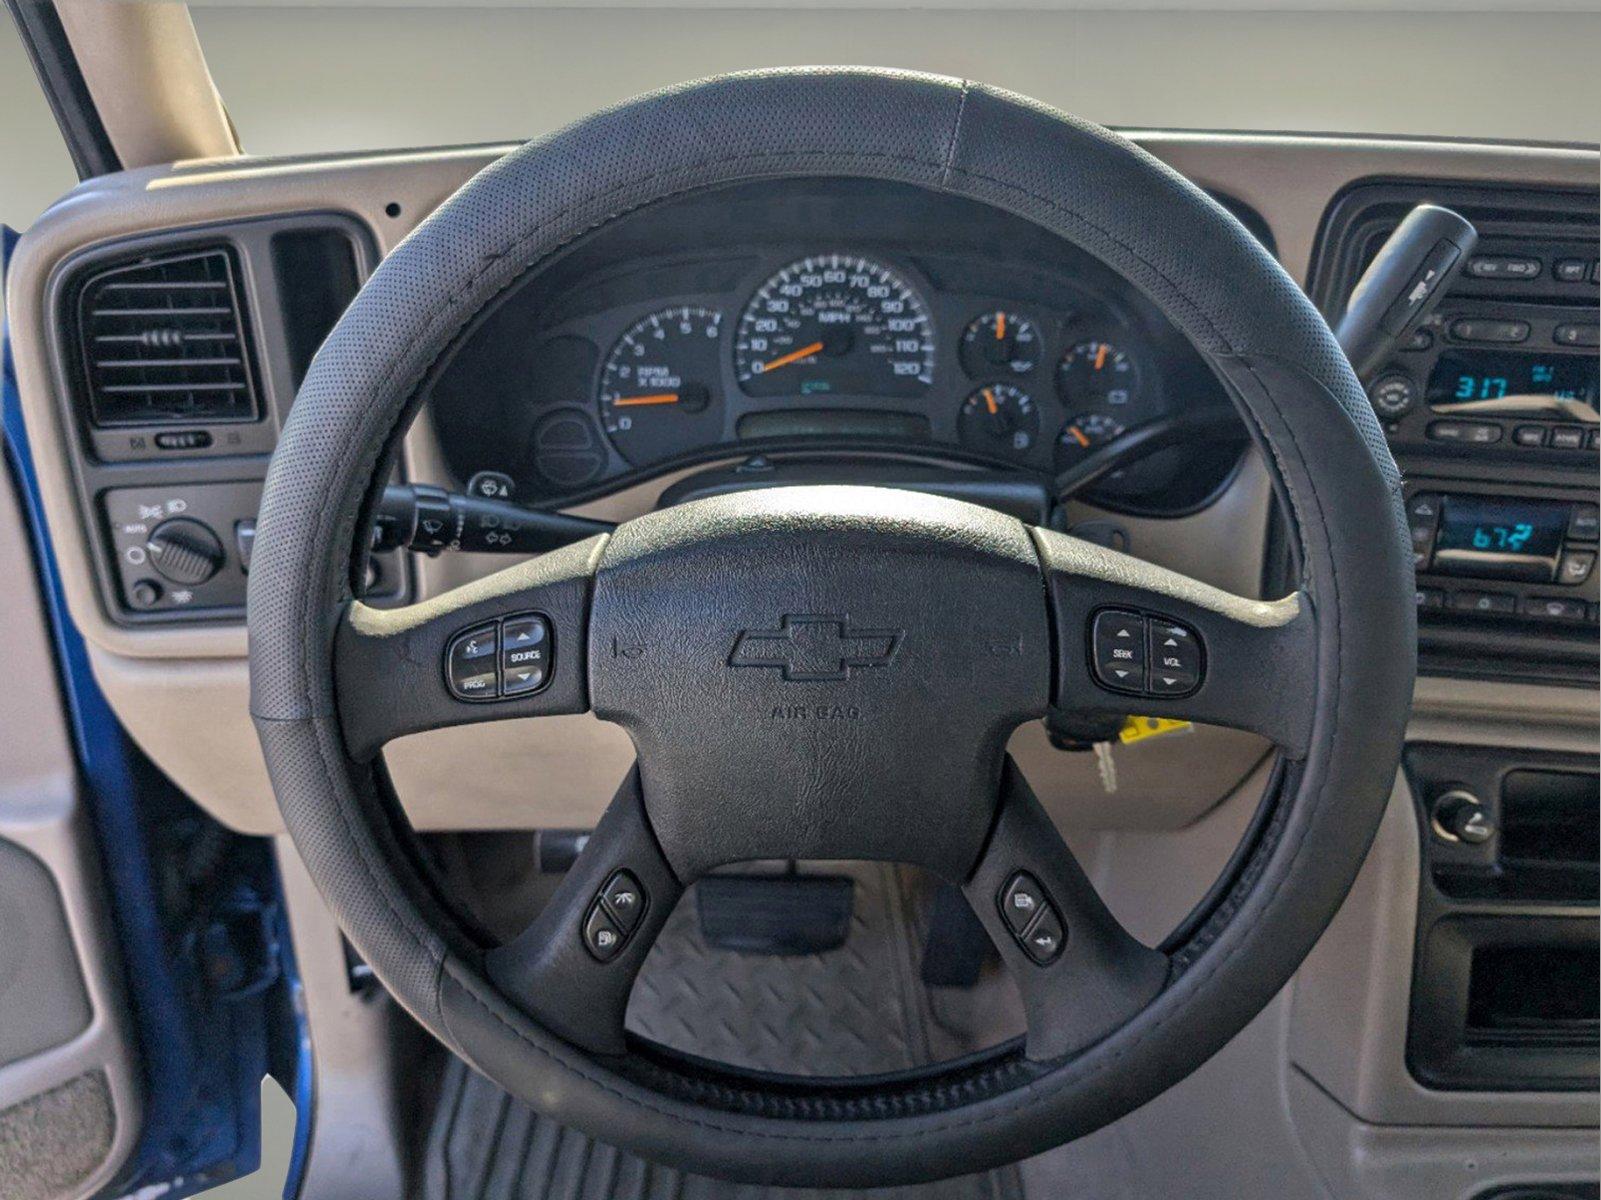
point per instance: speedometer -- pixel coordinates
(835, 324)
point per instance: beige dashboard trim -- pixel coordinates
(142, 64)
(166, 684)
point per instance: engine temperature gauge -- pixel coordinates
(999, 419)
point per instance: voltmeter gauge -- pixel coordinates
(1099, 374)
(1001, 420)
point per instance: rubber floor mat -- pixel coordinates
(860, 1009)
(486, 1146)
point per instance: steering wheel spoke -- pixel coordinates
(574, 965)
(1081, 974)
(1133, 636)
(512, 644)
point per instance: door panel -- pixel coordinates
(69, 1101)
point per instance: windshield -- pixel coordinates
(369, 77)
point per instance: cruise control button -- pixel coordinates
(1118, 647)
(470, 664)
(1021, 901)
(602, 938)
(624, 900)
(1043, 942)
(525, 653)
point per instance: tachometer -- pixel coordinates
(835, 324)
(658, 389)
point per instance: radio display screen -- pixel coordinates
(1511, 539)
(1465, 375)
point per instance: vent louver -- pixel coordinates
(164, 342)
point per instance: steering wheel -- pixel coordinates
(833, 672)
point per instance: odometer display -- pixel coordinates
(835, 324)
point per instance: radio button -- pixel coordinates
(1575, 567)
(1487, 603)
(1567, 437)
(1118, 644)
(1467, 433)
(1393, 395)
(1585, 523)
(1576, 335)
(1529, 435)
(1570, 270)
(1429, 597)
(1553, 608)
(1487, 329)
(1498, 266)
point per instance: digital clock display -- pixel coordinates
(1512, 539)
(1462, 376)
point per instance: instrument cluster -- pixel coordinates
(985, 355)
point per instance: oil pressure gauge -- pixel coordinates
(999, 342)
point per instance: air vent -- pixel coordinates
(164, 342)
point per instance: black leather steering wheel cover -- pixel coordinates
(1092, 188)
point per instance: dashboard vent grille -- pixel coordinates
(164, 341)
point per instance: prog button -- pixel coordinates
(470, 663)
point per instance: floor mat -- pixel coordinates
(486, 1146)
(859, 1009)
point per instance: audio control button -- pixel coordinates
(470, 663)
(1118, 650)
(524, 654)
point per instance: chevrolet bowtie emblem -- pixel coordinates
(811, 649)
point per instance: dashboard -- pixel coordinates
(843, 319)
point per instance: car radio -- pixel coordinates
(1494, 376)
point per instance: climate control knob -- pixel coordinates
(184, 550)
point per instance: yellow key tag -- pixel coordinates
(1137, 729)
